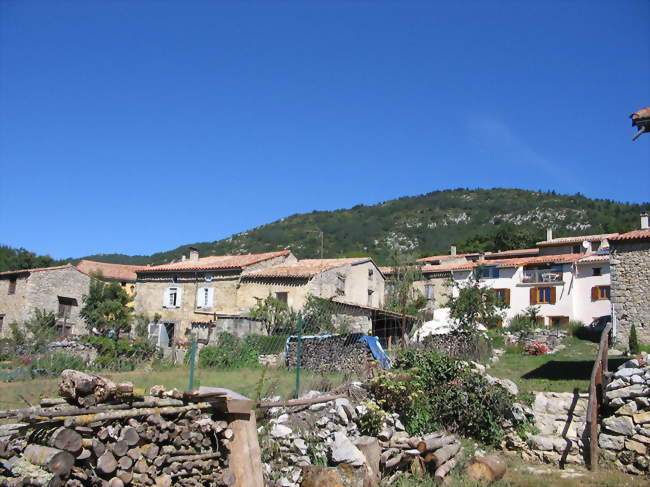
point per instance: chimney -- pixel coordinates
(644, 221)
(194, 254)
(452, 250)
(549, 234)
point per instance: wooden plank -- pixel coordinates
(245, 460)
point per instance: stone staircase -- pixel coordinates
(561, 419)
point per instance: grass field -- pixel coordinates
(563, 371)
(251, 382)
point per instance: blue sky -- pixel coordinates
(137, 126)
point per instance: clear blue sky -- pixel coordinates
(137, 126)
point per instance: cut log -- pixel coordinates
(119, 448)
(431, 442)
(88, 389)
(107, 464)
(130, 435)
(444, 469)
(394, 461)
(54, 460)
(445, 453)
(487, 469)
(417, 467)
(65, 439)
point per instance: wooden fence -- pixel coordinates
(597, 395)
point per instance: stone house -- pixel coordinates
(123, 274)
(197, 289)
(54, 289)
(630, 264)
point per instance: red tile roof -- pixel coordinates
(575, 240)
(446, 257)
(633, 235)
(215, 262)
(306, 268)
(543, 259)
(119, 272)
(36, 269)
(515, 252)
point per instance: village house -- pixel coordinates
(197, 289)
(630, 264)
(53, 289)
(122, 274)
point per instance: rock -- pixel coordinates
(283, 418)
(398, 425)
(637, 379)
(616, 384)
(611, 442)
(507, 384)
(630, 364)
(627, 409)
(342, 476)
(343, 403)
(636, 446)
(344, 451)
(300, 445)
(641, 418)
(626, 392)
(644, 402)
(641, 463)
(622, 425)
(369, 447)
(280, 431)
(539, 442)
(319, 406)
(517, 412)
(615, 403)
(628, 372)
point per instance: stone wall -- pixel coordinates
(339, 353)
(625, 433)
(630, 291)
(464, 346)
(12, 306)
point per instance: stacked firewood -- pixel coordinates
(437, 453)
(103, 435)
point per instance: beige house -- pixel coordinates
(54, 289)
(352, 280)
(197, 289)
(123, 274)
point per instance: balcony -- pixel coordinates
(535, 276)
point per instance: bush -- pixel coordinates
(429, 390)
(371, 421)
(576, 328)
(231, 351)
(520, 323)
(57, 362)
(119, 354)
(635, 347)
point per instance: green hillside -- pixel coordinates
(422, 225)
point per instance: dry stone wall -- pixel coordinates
(625, 435)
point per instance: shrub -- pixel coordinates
(576, 328)
(119, 354)
(520, 323)
(231, 351)
(535, 348)
(370, 422)
(635, 347)
(57, 362)
(427, 388)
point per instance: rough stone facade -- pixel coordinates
(43, 289)
(630, 291)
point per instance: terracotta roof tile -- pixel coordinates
(36, 269)
(515, 252)
(633, 235)
(446, 257)
(578, 239)
(306, 268)
(215, 262)
(120, 272)
(543, 259)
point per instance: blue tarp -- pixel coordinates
(377, 350)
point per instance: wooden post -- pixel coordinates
(245, 454)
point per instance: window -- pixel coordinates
(12, 285)
(576, 249)
(65, 306)
(340, 284)
(542, 295)
(204, 297)
(283, 297)
(503, 295)
(172, 297)
(488, 272)
(597, 271)
(599, 293)
(370, 293)
(428, 291)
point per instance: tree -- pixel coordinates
(107, 306)
(633, 342)
(476, 303)
(273, 313)
(403, 298)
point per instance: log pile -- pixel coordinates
(338, 353)
(437, 453)
(158, 441)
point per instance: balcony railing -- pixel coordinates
(541, 275)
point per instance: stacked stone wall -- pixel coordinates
(630, 289)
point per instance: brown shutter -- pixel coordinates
(533, 295)
(507, 297)
(552, 295)
(594, 293)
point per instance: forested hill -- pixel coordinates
(423, 225)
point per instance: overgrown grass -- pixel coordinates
(564, 371)
(251, 382)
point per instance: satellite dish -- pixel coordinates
(586, 244)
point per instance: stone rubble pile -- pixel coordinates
(551, 338)
(73, 346)
(299, 438)
(625, 434)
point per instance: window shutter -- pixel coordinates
(507, 297)
(552, 295)
(166, 298)
(210, 297)
(594, 293)
(199, 297)
(179, 296)
(533, 295)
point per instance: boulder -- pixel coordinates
(342, 476)
(344, 451)
(627, 392)
(621, 424)
(628, 372)
(636, 446)
(642, 418)
(611, 442)
(280, 431)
